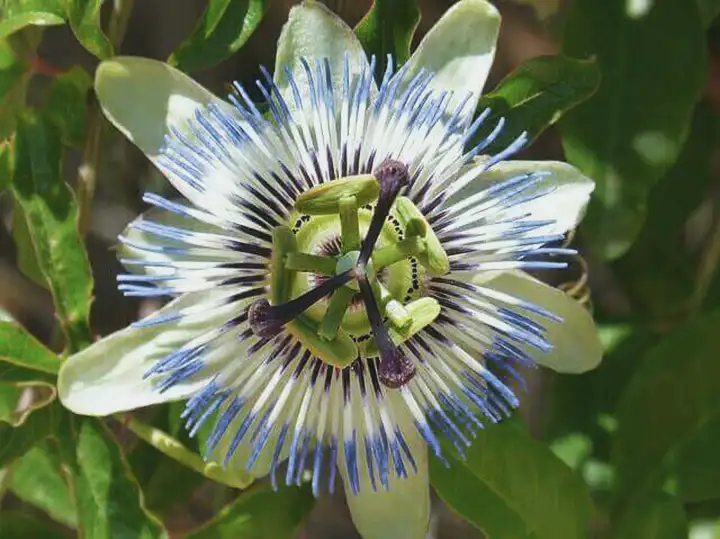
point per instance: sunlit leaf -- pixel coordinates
(84, 19)
(513, 487)
(223, 28)
(672, 397)
(50, 211)
(536, 95)
(652, 56)
(388, 28)
(17, 14)
(20, 348)
(260, 512)
(37, 480)
(109, 501)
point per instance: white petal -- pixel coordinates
(576, 345)
(565, 204)
(403, 511)
(459, 50)
(107, 377)
(143, 98)
(316, 33)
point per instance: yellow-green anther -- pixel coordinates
(390, 254)
(423, 312)
(281, 277)
(394, 310)
(349, 224)
(321, 265)
(340, 352)
(434, 259)
(416, 227)
(324, 199)
(339, 302)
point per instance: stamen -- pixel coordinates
(392, 176)
(395, 369)
(268, 320)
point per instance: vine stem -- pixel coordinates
(87, 171)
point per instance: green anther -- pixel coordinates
(321, 265)
(423, 312)
(339, 302)
(390, 254)
(340, 352)
(434, 259)
(281, 277)
(349, 223)
(394, 310)
(324, 199)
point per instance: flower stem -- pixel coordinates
(171, 447)
(87, 171)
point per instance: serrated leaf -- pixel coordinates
(653, 65)
(658, 281)
(223, 28)
(66, 104)
(17, 14)
(661, 517)
(388, 28)
(109, 501)
(672, 397)
(19, 525)
(536, 95)
(37, 480)
(20, 348)
(16, 441)
(84, 19)
(50, 211)
(14, 77)
(513, 487)
(260, 512)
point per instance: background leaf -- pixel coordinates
(109, 500)
(511, 487)
(662, 517)
(223, 28)
(16, 441)
(17, 525)
(36, 479)
(535, 96)
(632, 130)
(66, 104)
(17, 14)
(670, 399)
(260, 512)
(14, 77)
(388, 28)
(50, 211)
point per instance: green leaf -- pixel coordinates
(50, 211)
(388, 28)
(653, 66)
(37, 480)
(84, 19)
(259, 512)
(659, 282)
(109, 500)
(670, 400)
(20, 399)
(17, 525)
(5, 164)
(223, 28)
(14, 77)
(536, 95)
(20, 348)
(66, 105)
(513, 487)
(709, 10)
(659, 518)
(17, 14)
(16, 441)
(698, 468)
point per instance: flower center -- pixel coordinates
(345, 278)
